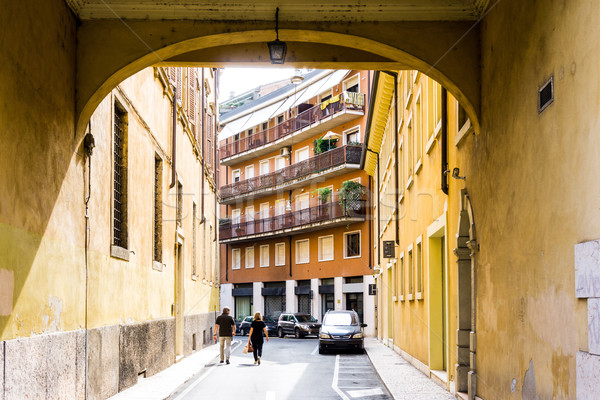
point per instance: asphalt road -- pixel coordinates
(290, 369)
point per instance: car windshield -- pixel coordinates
(340, 319)
(268, 319)
(305, 318)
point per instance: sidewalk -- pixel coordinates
(404, 381)
(161, 385)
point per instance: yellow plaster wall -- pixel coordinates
(533, 183)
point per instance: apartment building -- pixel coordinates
(295, 231)
(422, 226)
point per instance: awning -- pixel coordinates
(289, 100)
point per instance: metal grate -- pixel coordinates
(120, 199)
(157, 209)
(546, 95)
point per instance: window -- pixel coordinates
(279, 163)
(179, 204)
(302, 251)
(352, 244)
(250, 257)
(351, 84)
(411, 274)
(280, 254)
(235, 175)
(265, 125)
(264, 210)
(279, 207)
(302, 201)
(264, 255)
(435, 106)
(302, 154)
(418, 128)
(395, 280)
(235, 216)
(264, 167)
(194, 245)
(120, 178)
(235, 258)
(419, 262)
(326, 248)
(280, 119)
(402, 278)
(351, 136)
(249, 171)
(157, 225)
(409, 148)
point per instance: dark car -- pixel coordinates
(269, 322)
(341, 330)
(298, 324)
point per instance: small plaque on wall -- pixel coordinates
(372, 289)
(389, 249)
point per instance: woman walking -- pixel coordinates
(256, 336)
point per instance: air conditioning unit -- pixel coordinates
(284, 152)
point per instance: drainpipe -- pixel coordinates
(290, 256)
(444, 141)
(397, 180)
(226, 262)
(174, 155)
(370, 230)
(378, 208)
(203, 145)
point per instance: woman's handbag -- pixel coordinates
(248, 348)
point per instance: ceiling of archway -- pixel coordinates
(290, 10)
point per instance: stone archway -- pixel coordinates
(466, 247)
(110, 51)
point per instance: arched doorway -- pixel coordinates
(466, 246)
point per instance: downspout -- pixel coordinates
(203, 153)
(444, 128)
(397, 178)
(370, 229)
(174, 155)
(290, 256)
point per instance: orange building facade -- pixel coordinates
(295, 206)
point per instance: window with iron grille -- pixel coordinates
(157, 209)
(120, 177)
(209, 149)
(179, 204)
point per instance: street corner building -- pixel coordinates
(295, 229)
(119, 262)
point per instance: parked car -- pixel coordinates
(341, 330)
(238, 323)
(298, 324)
(269, 322)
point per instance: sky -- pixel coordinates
(240, 80)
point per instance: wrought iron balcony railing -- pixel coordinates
(349, 154)
(344, 101)
(330, 212)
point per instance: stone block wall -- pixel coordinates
(52, 366)
(587, 286)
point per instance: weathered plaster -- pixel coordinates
(103, 362)
(7, 284)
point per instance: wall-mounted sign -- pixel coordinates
(389, 249)
(372, 289)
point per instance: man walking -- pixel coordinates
(225, 325)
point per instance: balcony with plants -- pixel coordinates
(308, 122)
(325, 210)
(329, 162)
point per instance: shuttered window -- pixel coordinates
(157, 226)
(249, 257)
(235, 259)
(326, 248)
(302, 251)
(280, 254)
(264, 256)
(120, 178)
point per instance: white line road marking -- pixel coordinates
(234, 345)
(315, 350)
(363, 393)
(270, 395)
(334, 383)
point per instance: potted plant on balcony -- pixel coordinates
(324, 196)
(350, 195)
(322, 145)
(224, 221)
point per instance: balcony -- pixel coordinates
(319, 118)
(308, 219)
(331, 163)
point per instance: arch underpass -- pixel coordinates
(109, 51)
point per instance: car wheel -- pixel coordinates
(297, 333)
(280, 332)
(321, 350)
